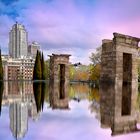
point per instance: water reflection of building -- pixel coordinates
(22, 106)
(18, 119)
(22, 92)
(32, 111)
(17, 90)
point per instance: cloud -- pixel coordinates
(5, 26)
(79, 25)
(8, 2)
(56, 29)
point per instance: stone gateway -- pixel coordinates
(59, 81)
(119, 83)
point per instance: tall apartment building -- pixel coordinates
(32, 49)
(18, 41)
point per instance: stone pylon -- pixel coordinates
(59, 81)
(119, 83)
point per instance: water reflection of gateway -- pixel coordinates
(18, 119)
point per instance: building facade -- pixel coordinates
(18, 69)
(32, 49)
(18, 41)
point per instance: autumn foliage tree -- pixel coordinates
(94, 72)
(95, 67)
(79, 73)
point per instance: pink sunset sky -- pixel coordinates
(76, 27)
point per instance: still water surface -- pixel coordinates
(20, 120)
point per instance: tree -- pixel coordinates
(79, 73)
(94, 72)
(1, 68)
(47, 62)
(72, 72)
(96, 57)
(43, 67)
(37, 73)
(95, 68)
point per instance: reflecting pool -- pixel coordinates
(26, 114)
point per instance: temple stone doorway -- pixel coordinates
(59, 81)
(119, 83)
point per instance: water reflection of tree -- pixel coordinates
(47, 92)
(43, 91)
(39, 94)
(80, 90)
(1, 94)
(95, 105)
(94, 94)
(83, 91)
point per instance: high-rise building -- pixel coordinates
(32, 49)
(18, 119)
(18, 41)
